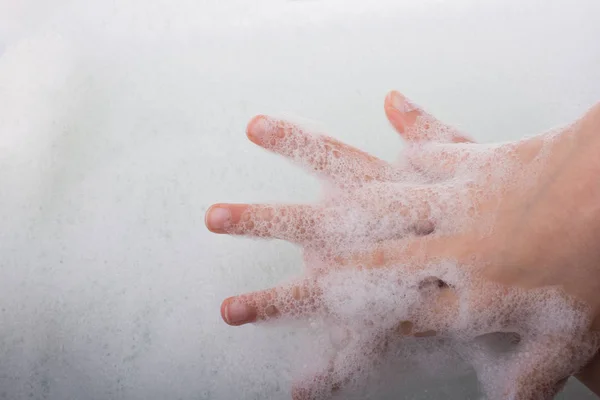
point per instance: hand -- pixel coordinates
(501, 234)
(404, 123)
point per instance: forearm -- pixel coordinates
(590, 375)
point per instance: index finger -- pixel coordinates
(322, 154)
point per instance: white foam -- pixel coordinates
(373, 285)
(121, 122)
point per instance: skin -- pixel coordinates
(402, 122)
(518, 222)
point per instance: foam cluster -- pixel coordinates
(385, 264)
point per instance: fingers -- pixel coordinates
(321, 154)
(415, 125)
(307, 297)
(401, 113)
(434, 152)
(373, 214)
(296, 223)
(296, 300)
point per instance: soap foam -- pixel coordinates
(374, 303)
(122, 121)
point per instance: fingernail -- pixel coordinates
(237, 313)
(258, 128)
(397, 101)
(218, 218)
(401, 103)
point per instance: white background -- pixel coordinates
(122, 121)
